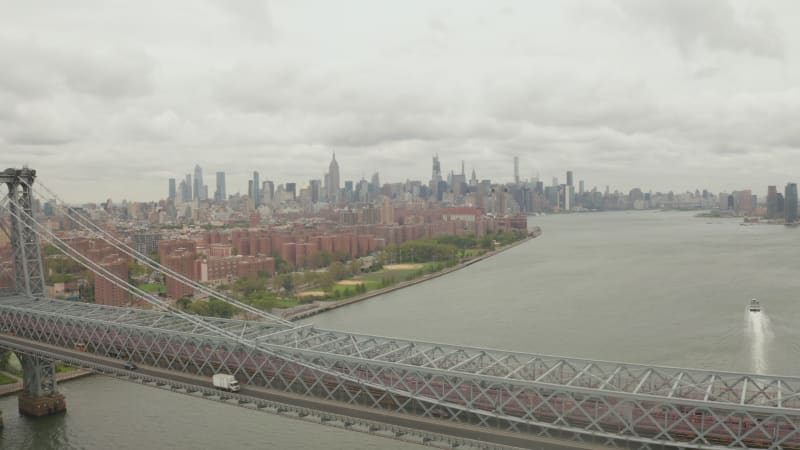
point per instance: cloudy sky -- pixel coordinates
(110, 98)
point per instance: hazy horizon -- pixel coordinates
(110, 99)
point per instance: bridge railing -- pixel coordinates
(539, 408)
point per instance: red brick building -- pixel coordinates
(110, 293)
(179, 255)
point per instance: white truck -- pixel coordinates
(225, 382)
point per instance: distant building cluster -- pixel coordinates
(219, 238)
(369, 202)
(112, 261)
(221, 254)
(779, 206)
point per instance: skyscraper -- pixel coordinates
(772, 202)
(500, 205)
(375, 183)
(314, 186)
(348, 190)
(436, 172)
(516, 170)
(256, 190)
(187, 190)
(220, 194)
(198, 183)
(172, 192)
(333, 180)
(569, 178)
(436, 176)
(268, 187)
(790, 203)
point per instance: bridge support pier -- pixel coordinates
(39, 396)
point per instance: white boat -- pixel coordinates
(754, 306)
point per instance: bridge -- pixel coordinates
(438, 394)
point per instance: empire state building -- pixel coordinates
(333, 180)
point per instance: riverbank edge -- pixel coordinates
(13, 388)
(404, 284)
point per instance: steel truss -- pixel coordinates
(38, 375)
(361, 425)
(28, 268)
(597, 401)
(624, 405)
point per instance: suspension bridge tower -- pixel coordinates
(39, 395)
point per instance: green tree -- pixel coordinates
(218, 308)
(51, 249)
(248, 285)
(281, 265)
(310, 277)
(199, 308)
(183, 302)
(338, 271)
(354, 267)
(287, 282)
(341, 256)
(325, 280)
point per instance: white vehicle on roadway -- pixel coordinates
(225, 382)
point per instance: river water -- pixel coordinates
(650, 287)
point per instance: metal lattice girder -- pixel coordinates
(28, 268)
(38, 376)
(383, 426)
(512, 391)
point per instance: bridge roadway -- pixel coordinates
(437, 427)
(529, 394)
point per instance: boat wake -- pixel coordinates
(759, 334)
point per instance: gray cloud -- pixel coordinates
(45, 70)
(626, 93)
(713, 23)
(252, 17)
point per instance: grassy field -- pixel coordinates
(61, 368)
(287, 302)
(153, 288)
(5, 379)
(376, 277)
(473, 252)
(375, 280)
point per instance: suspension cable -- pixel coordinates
(89, 225)
(3, 227)
(264, 347)
(110, 276)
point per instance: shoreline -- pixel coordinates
(319, 309)
(13, 388)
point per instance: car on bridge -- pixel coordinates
(130, 366)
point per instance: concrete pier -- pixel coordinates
(39, 396)
(45, 405)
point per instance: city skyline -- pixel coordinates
(360, 224)
(577, 184)
(631, 93)
(566, 177)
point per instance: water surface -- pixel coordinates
(649, 287)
